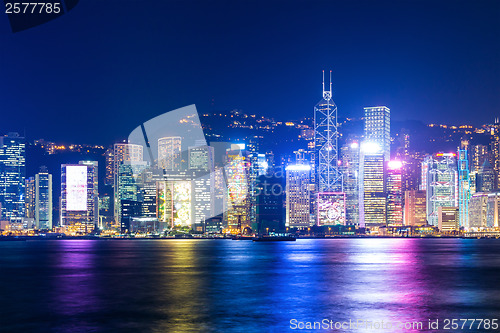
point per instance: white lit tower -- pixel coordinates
(325, 141)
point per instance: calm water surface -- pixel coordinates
(241, 286)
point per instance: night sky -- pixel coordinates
(97, 72)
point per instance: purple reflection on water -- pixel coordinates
(75, 292)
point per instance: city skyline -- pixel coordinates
(369, 161)
(250, 166)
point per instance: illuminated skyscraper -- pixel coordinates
(378, 128)
(77, 198)
(169, 153)
(372, 193)
(478, 208)
(440, 180)
(238, 206)
(109, 158)
(298, 196)
(464, 192)
(175, 203)
(448, 219)
(394, 193)
(203, 192)
(129, 191)
(201, 158)
(12, 177)
(269, 203)
(415, 208)
(326, 143)
(43, 200)
(495, 148)
(95, 164)
(29, 201)
(486, 178)
(350, 172)
(123, 152)
(493, 210)
(479, 153)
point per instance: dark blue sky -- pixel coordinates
(97, 72)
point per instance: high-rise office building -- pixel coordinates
(394, 193)
(123, 152)
(43, 200)
(464, 192)
(495, 148)
(448, 219)
(169, 153)
(493, 210)
(479, 153)
(440, 180)
(485, 179)
(12, 177)
(95, 164)
(202, 198)
(109, 159)
(201, 158)
(415, 208)
(269, 204)
(77, 198)
(378, 128)
(350, 171)
(478, 208)
(175, 203)
(129, 191)
(29, 200)
(238, 206)
(372, 201)
(298, 196)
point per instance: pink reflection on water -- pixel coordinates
(394, 286)
(75, 281)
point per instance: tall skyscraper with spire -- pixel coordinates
(326, 143)
(329, 206)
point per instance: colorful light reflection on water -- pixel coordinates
(241, 286)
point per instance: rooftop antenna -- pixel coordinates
(323, 82)
(327, 95)
(330, 83)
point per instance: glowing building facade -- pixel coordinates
(394, 193)
(12, 177)
(378, 128)
(485, 178)
(298, 196)
(478, 209)
(372, 193)
(236, 169)
(440, 180)
(123, 152)
(169, 153)
(43, 200)
(77, 198)
(415, 213)
(350, 171)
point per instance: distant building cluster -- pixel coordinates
(329, 180)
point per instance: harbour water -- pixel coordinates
(243, 286)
